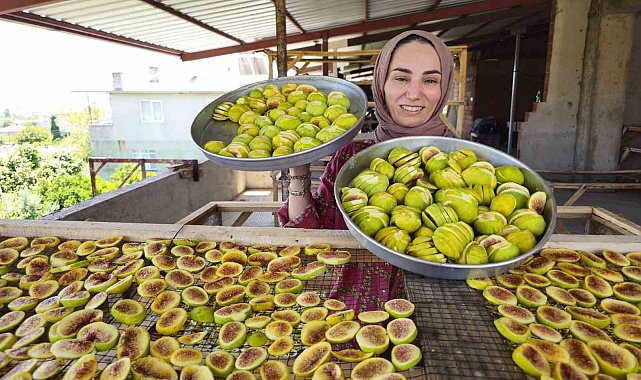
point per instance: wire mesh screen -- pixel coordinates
(586, 224)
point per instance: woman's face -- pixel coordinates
(413, 84)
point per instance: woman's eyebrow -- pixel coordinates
(427, 72)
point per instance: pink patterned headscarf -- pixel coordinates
(388, 128)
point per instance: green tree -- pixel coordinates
(55, 130)
(18, 171)
(79, 142)
(82, 118)
(33, 133)
(6, 119)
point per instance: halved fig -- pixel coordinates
(405, 356)
(590, 316)
(309, 271)
(290, 285)
(632, 273)
(191, 263)
(597, 286)
(560, 295)
(164, 262)
(164, 347)
(517, 313)
(634, 350)
(401, 331)
(230, 295)
(628, 333)
(285, 299)
(587, 332)
(118, 370)
(227, 246)
(182, 250)
(232, 335)
(257, 288)
(372, 338)
(104, 253)
(17, 243)
(229, 269)
(552, 352)
(179, 279)
(165, 301)
(615, 258)
(8, 256)
(340, 316)
(316, 248)
(281, 346)
(583, 297)
(334, 257)
(196, 372)
(154, 249)
(627, 291)
(217, 285)
(183, 357)
(562, 279)
(567, 371)
(133, 343)
(146, 273)
(545, 332)
(23, 303)
(32, 251)
(120, 286)
(512, 330)
(290, 316)
(499, 295)
(251, 358)
(83, 368)
(289, 251)
(531, 360)
(128, 311)
(221, 363)
(614, 306)
(213, 256)
(110, 241)
(209, 274)
(591, 260)
(234, 256)
(277, 329)
(99, 282)
(101, 265)
(316, 314)
(71, 324)
(575, 270)
(399, 308)
(479, 283)
(46, 370)
(311, 358)
(284, 264)
(47, 241)
(241, 375)
(257, 339)
(126, 258)
(553, 317)
(262, 303)
(237, 312)
(104, 336)
(630, 319)
(257, 322)
(55, 314)
(607, 274)
(314, 332)
(71, 348)
(262, 248)
(561, 255)
(29, 338)
(530, 297)
(539, 265)
(510, 281)
(152, 368)
(275, 370)
(40, 351)
(344, 332)
(44, 289)
(9, 293)
(308, 299)
(371, 368)
(72, 276)
(613, 360)
(272, 277)
(171, 321)
(350, 355)
(536, 280)
(204, 246)
(195, 296)
(261, 259)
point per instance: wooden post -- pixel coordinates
(281, 38)
(325, 47)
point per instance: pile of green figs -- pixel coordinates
(445, 207)
(278, 121)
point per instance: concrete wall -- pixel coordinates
(165, 198)
(579, 124)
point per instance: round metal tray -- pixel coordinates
(204, 128)
(361, 161)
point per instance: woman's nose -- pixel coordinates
(413, 90)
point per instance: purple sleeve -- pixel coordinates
(322, 211)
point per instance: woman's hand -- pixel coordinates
(300, 195)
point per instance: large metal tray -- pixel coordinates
(361, 161)
(204, 128)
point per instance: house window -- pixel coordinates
(145, 153)
(151, 111)
(251, 66)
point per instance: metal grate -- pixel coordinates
(456, 332)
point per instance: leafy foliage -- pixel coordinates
(33, 134)
(55, 130)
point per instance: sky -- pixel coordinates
(42, 71)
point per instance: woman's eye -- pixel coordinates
(400, 79)
(431, 81)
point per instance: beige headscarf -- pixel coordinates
(387, 127)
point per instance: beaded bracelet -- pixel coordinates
(303, 178)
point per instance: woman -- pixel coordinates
(412, 79)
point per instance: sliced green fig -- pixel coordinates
(334, 304)
(308, 299)
(179, 279)
(315, 249)
(634, 257)
(261, 259)
(587, 332)
(499, 296)
(234, 256)
(597, 286)
(590, 316)
(613, 360)
(289, 251)
(183, 357)
(249, 274)
(196, 372)
(104, 336)
(221, 363)
(118, 370)
(531, 360)
(71, 348)
(272, 277)
(47, 369)
(241, 375)
(539, 265)
(512, 330)
(152, 368)
(257, 339)
(372, 368)
(607, 274)
(552, 352)
(213, 256)
(328, 371)
(251, 358)
(257, 288)
(628, 333)
(517, 313)
(217, 285)
(182, 250)
(23, 303)
(632, 273)
(191, 263)
(7, 340)
(401, 331)
(536, 280)
(194, 296)
(40, 351)
(262, 303)
(281, 346)
(334, 257)
(133, 343)
(164, 301)
(284, 264)
(553, 317)
(567, 371)
(479, 283)
(72, 323)
(237, 312)
(289, 285)
(9, 293)
(583, 297)
(230, 295)
(510, 280)
(630, 319)
(575, 270)
(99, 282)
(262, 248)
(561, 255)
(19, 354)
(164, 262)
(209, 275)
(560, 295)
(128, 311)
(614, 306)
(309, 271)
(530, 297)
(372, 338)
(232, 335)
(229, 269)
(399, 308)
(278, 328)
(54, 315)
(164, 347)
(48, 304)
(82, 369)
(405, 356)
(344, 315)
(257, 322)
(8, 256)
(44, 289)
(314, 332)
(314, 314)
(350, 355)
(616, 258)
(76, 300)
(171, 321)
(562, 279)
(100, 265)
(634, 350)
(285, 299)
(96, 301)
(344, 332)
(128, 257)
(193, 338)
(376, 316)
(146, 273)
(290, 316)
(29, 338)
(18, 243)
(591, 260)
(311, 358)
(627, 291)
(545, 332)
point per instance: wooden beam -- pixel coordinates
(62, 26)
(448, 24)
(435, 4)
(597, 186)
(575, 197)
(174, 12)
(10, 6)
(420, 17)
(504, 34)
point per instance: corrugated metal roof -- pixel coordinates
(214, 27)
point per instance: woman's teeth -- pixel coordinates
(411, 108)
